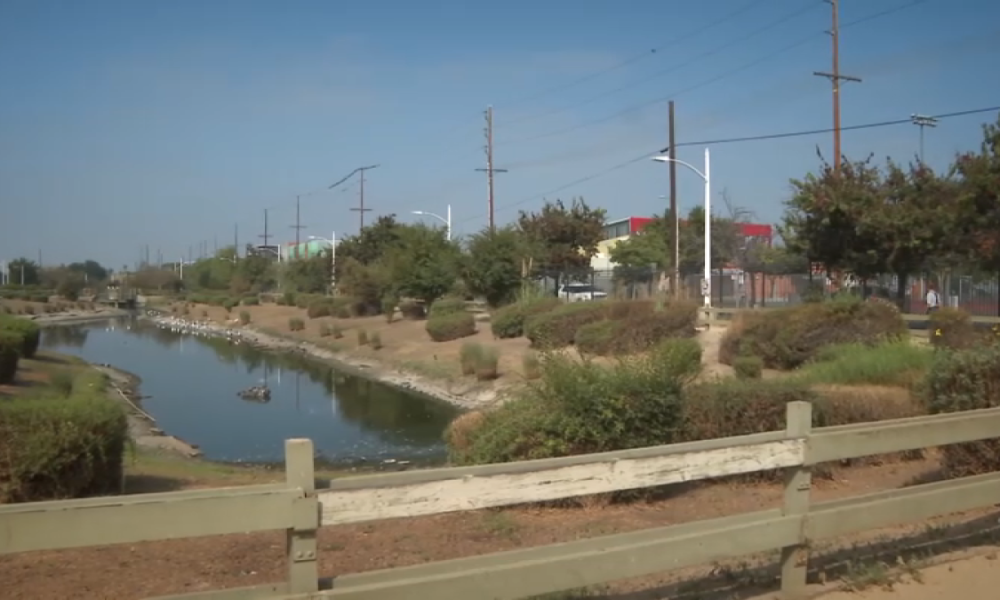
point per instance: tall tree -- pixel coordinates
(92, 270)
(978, 202)
(23, 271)
(566, 238)
(370, 243)
(495, 264)
(423, 264)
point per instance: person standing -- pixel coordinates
(933, 299)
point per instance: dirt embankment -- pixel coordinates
(124, 388)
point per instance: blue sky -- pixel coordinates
(127, 123)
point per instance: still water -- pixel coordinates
(192, 383)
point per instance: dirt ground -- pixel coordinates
(156, 568)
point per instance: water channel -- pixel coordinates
(191, 383)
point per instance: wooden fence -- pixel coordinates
(300, 509)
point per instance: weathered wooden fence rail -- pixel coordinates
(300, 509)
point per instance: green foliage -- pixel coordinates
(508, 322)
(563, 239)
(952, 328)
(244, 317)
(29, 332)
(451, 326)
(748, 367)
(325, 330)
(24, 271)
(56, 447)
(250, 301)
(447, 306)
(891, 364)
(376, 341)
(412, 310)
(362, 337)
(531, 365)
(365, 284)
(319, 308)
(577, 407)
(424, 264)
(595, 338)
(11, 344)
(494, 264)
(308, 275)
(732, 407)
(389, 304)
(789, 337)
(296, 324)
(487, 365)
(468, 357)
(960, 381)
(557, 328)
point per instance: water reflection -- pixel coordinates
(193, 384)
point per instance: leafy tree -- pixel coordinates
(152, 278)
(92, 270)
(23, 271)
(256, 273)
(370, 244)
(566, 238)
(495, 264)
(978, 202)
(422, 263)
(308, 275)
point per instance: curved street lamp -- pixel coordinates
(446, 221)
(333, 256)
(706, 286)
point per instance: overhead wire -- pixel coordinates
(735, 140)
(780, 51)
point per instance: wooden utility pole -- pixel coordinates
(236, 241)
(489, 170)
(835, 78)
(265, 235)
(298, 223)
(360, 208)
(674, 216)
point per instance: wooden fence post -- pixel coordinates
(798, 481)
(303, 574)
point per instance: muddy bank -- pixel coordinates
(470, 398)
(124, 388)
(77, 316)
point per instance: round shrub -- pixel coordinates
(251, 301)
(951, 328)
(787, 338)
(62, 447)
(557, 328)
(10, 353)
(447, 306)
(319, 308)
(451, 326)
(596, 338)
(748, 367)
(508, 322)
(30, 332)
(960, 381)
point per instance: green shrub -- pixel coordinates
(531, 365)
(362, 336)
(557, 328)
(786, 338)
(30, 332)
(336, 331)
(468, 357)
(952, 328)
(281, 302)
(296, 324)
(244, 317)
(319, 308)
(636, 327)
(62, 447)
(450, 326)
(230, 303)
(596, 338)
(11, 344)
(488, 364)
(508, 322)
(412, 310)
(578, 407)
(447, 306)
(288, 298)
(376, 341)
(730, 407)
(893, 364)
(960, 381)
(325, 330)
(251, 301)
(62, 383)
(748, 367)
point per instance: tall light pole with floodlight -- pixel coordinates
(706, 285)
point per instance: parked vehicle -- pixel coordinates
(580, 292)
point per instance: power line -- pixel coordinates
(631, 60)
(734, 42)
(734, 140)
(780, 52)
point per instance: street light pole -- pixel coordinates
(446, 221)
(706, 284)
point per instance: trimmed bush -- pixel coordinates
(251, 301)
(319, 308)
(376, 341)
(244, 317)
(447, 306)
(596, 338)
(362, 337)
(296, 324)
(468, 357)
(897, 364)
(508, 322)
(557, 328)
(389, 308)
(488, 364)
(57, 448)
(960, 381)
(578, 407)
(748, 367)
(951, 328)
(30, 332)
(451, 326)
(11, 344)
(786, 338)
(730, 407)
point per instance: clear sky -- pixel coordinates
(125, 123)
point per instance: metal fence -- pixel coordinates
(734, 288)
